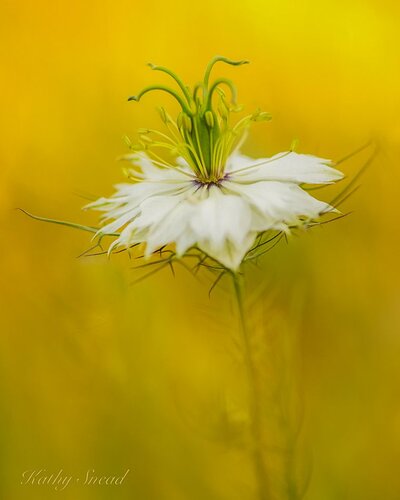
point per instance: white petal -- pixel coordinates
(229, 254)
(153, 172)
(141, 207)
(222, 225)
(185, 240)
(171, 227)
(118, 223)
(286, 167)
(155, 209)
(278, 202)
(221, 216)
(131, 195)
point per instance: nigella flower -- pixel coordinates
(207, 194)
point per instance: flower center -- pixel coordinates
(201, 134)
(208, 183)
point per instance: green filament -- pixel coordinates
(201, 134)
(163, 88)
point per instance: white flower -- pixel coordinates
(210, 196)
(222, 218)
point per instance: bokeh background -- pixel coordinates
(99, 374)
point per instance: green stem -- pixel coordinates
(254, 407)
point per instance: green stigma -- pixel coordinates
(201, 133)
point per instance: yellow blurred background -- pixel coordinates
(99, 374)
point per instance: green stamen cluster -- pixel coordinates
(201, 133)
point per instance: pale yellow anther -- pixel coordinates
(187, 122)
(209, 118)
